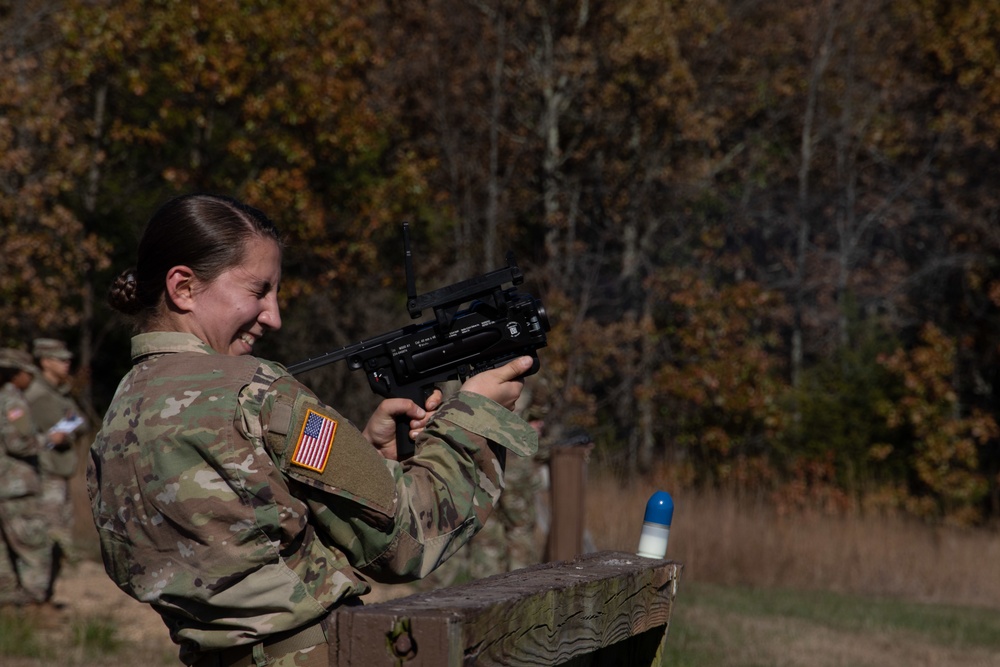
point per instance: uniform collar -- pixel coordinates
(166, 342)
(41, 381)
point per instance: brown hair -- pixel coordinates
(205, 232)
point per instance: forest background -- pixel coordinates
(765, 233)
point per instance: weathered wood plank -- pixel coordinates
(607, 608)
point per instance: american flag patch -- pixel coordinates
(313, 448)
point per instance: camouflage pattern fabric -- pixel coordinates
(26, 561)
(29, 552)
(20, 444)
(238, 505)
(49, 405)
(511, 538)
(516, 517)
(515, 533)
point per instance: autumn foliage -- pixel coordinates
(766, 233)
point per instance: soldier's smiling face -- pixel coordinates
(239, 306)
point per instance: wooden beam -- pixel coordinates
(601, 609)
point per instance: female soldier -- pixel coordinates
(26, 549)
(233, 500)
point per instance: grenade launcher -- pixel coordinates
(499, 324)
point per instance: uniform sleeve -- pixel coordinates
(19, 435)
(394, 521)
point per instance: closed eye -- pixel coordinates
(264, 290)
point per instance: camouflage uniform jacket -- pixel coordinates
(238, 505)
(50, 404)
(20, 444)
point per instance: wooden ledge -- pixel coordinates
(605, 608)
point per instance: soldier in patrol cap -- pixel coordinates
(232, 499)
(26, 564)
(53, 407)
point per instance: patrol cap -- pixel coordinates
(17, 360)
(52, 348)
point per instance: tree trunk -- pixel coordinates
(90, 209)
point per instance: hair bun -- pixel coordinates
(123, 295)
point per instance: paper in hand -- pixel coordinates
(67, 424)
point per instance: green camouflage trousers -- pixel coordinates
(26, 564)
(58, 511)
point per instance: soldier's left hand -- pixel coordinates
(381, 427)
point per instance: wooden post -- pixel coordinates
(600, 610)
(568, 475)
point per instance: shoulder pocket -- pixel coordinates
(323, 449)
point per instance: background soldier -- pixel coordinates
(52, 407)
(26, 564)
(516, 530)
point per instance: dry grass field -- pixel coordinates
(722, 539)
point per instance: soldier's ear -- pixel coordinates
(180, 287)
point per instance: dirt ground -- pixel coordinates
(92, 605)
